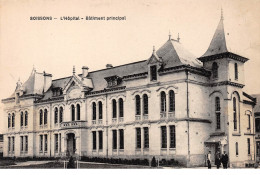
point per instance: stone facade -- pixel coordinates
(171, 106)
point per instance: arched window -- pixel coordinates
(72, 113)
(145, 104)
(25, 118)
(137, 105)
(61, 114)
(45, 116)
(163, 101)
(94, 111)
(114, 108)
(41, 116)
(21, 119)
(121, 107)
(172, 101)
(9, 120)
(13, 120)
(235, 113)
(217, 111)
(215, 70)
(56, 115)
(236, 71)
(100, 110)
(78, 112)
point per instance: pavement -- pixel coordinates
(28, 163)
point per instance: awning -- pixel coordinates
(217, 139)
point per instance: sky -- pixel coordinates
(55, 46)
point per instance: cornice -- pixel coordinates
(224, 55)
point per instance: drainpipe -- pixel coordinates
(106, 128)
(188, 116)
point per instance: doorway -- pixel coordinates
(71, 144)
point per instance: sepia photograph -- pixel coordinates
(161, 85)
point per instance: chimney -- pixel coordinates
(47, 81)
(84, 71)
(109, 66)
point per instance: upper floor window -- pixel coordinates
(45, 116)
(100, 110)
(72, 112)
(61, 114)
(257, 124)
(249, 121)
(121, 107)
(145, 104)
(172, 101)
(214, 70)
(235, 113)
(41, 117)
(114, 108)
(113, 81)
(137, 105)
(9, 120)
(217, 111)
(25, 118)
(163, 101)
(153, 73)
(78, 112)
(13, 120)
(21, 119)
(236, 71)
(56, 115)
(94, 111)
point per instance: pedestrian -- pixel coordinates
(224, 160)
(218, 159)
(209, 160)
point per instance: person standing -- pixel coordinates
(218, 159)
(224, 160)
(209, 160)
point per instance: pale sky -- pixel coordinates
(55, 46)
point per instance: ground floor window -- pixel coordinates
(13, 143)
(56, 142)
(163, 137)
(21, 138)
(138, 138)
(41, 143)
(114, 139)
(94, 139)
(236, 149)
(172, 137)
(121, 136)
(100, 140)
(46, 143)
(248, 146)
(146, 137)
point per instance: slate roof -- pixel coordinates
(257, 106)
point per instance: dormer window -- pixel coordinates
(153, 73)
(113, 81)
(57, 92)
(236, 71)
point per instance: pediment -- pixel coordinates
(73, 89)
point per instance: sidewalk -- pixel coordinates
(28, 163)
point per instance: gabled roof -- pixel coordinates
(257, 106)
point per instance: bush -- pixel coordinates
(71, 164)
(153, 163)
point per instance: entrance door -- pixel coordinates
(71, 144)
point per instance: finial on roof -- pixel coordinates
(33, 70)
(222, 18)
(170, 35)
(178, 37)
(73, 70)
(153, 49)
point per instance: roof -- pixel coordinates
(217, 139)
(257, 106)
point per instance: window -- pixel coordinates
(114, 108)
(26, 143)
(121, 107)
(94, 136)
(153, 72)
(121, 137)
(78, 112)
(72, 113)
(13, 144)
(56, 115)
(94, 111)
(137, 105)
(60, 142)
(61, 114)
(172, 137)
(217, 111)
(114, 139)
(100, 110)
(235, 113)
(236, 149)
(248, 146)
(21, 119)
(164, 137)
(172, 101)
(249, 122)
(236, 71)
(41, 116)
(163, 102)
(45, 116)
(146, 137)
(100, 140)
(56, 142)
(21, 138)
(9, 144)
(145, 104)
(9, 120)
(26, 118)
(138, 138)
(46, 143)
(13, 120)
(41, 143)
(257, 124)
(214, 70)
